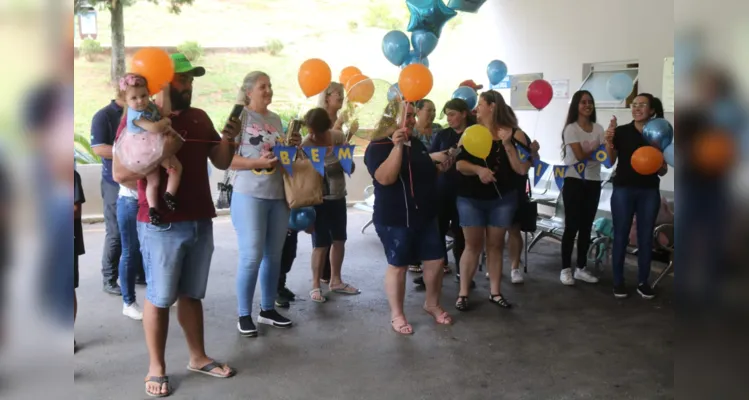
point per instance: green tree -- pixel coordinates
(116, 8)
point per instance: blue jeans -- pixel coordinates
(177, 259)
(497, 213)
(625, 203)
(261, 231)
(130, 259)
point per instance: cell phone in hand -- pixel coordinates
(236, 111)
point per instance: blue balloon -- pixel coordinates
(668, 154)
(471, 6)
(496, 70)
(659, 133)
(424, 42)
(394, 92)
(429, 15)
(414, 58)
(395, 46)
(468, 95)
(301, 219)
(620, 86)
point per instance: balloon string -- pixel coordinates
(535, 128)
(493, 183)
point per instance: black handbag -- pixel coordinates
(528, 211)
(226, 186)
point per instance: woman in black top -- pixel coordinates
(487, 195)
(443, 150)
(633, 193)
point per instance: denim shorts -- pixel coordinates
(176, 259)
(496, 213)
(408, 246)
(330, 223)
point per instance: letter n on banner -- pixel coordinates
(539, 169)
(345, 156)
(602, 156)
(559, 172)
(286, 155)
(317, 157)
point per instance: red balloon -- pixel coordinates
(540, 93)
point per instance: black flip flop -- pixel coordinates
(161, 380)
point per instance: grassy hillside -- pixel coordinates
(340, 32)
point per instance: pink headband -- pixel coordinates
(131, 80)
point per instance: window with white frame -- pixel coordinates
(596, 78)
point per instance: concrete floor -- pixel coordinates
(557, 343)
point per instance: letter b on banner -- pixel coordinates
(285, 159)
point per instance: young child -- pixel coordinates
(145, 128)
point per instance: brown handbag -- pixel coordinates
(304, 187)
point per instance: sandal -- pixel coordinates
(208, 370)
(446, 270)
(416, 269)
(441, 317)
(499, 300)
(345, 289)
(161, 380)
(462, 303)
(316, 296)
(404, 329)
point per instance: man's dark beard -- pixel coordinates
(179, 102)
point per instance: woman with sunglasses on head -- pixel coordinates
(581, 137)
(633, 193)
(488, 197)
(514, 234)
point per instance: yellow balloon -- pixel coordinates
(477, 140)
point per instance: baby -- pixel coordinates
(145, 122)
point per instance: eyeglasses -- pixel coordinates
(639, 105)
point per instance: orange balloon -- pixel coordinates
(415, 82)
(714, 152)
(647, 160)
(155, 65)
(348, 73)
(314, 76)
(359, 89)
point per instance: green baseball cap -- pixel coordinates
(183, 65)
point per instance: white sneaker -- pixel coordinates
(487, 275)
(566, 277)
(132, 311)
(517, 276)
(585, 276)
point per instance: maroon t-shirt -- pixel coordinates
(194, 193)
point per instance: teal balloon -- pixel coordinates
(429, 15)
(424, 42)
(659, 133)
(396, 47)
(496, 71)
(413, 58)
(668, 154)
(620, 86)
(468, 95)
(301, 219)
(471, 6)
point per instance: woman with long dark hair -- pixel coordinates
(443, 150)
(487, 196)
(581, 137)
(634, 193)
